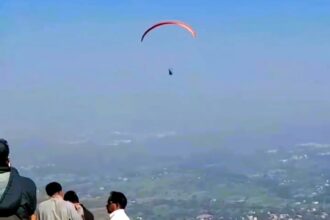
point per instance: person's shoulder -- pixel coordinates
(28, 183)
(120, 218)
(69, 205)
(125, 216)
(25, 182)
(120, 215)
(43, 203)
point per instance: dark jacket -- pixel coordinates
(18, 200)
(87, 214)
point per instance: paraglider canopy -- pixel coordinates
(178, 23)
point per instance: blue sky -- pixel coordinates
(69, 67)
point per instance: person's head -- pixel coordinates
(4, 153)
(117, 200)
(54, 188)
(71, 196)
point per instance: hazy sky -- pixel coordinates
(74, 67)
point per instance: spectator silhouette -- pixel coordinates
(18, 198)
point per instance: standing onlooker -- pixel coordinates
(72, 197)
(18, 197)
(55, 208)
(116, 206)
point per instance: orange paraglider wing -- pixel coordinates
(178, 23)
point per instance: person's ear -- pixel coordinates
(8, 162)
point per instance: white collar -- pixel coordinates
(118, 213)
(57, 197)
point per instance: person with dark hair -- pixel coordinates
(72, 197)
(56, 208)
(18, 194)
(116, 205)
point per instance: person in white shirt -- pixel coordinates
(116, 206)
(56, 208)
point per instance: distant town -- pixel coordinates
(289, 182)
